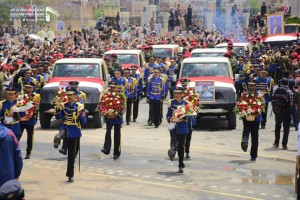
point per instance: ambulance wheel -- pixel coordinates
(231, 120)
(97, 120)
(45, 120)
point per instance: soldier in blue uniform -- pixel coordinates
(264, 85)
(149, 70)
(28, 120)
(243, 78)
(251, 127)
(81, 97)
(27, 78)
(155, 95)
(139, 84)
(171, 72)
(40, 82)
(73, 114)
(191, 120)
(119, 80)
(181, 129)
(110, 123)
(5, 111)
(131, 93)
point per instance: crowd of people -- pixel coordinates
(25, 69)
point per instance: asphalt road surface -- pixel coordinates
(218, 168)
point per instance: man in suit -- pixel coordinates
(276, 28)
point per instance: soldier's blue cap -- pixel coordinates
(163, 57)
(177, 89)
(73, 83)
(11, 90)
(252, 82)
(184, 81)
(11, 190)
(28, 84)
(156, 68)
(118, 70)
(27, 70)
(247, 51)
(71, 90)
(112, 84)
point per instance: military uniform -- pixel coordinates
(178, 134)
(131, 93)
(266, 87)
(110, 123)
(5, 110)
(121, 82)
(62, 130)
(155, 94)
(28, 120)
(136, 100)
(22, 80)
(172, 83)
(73, 115)
(251, 127)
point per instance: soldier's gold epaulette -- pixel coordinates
(20, 80)
(37, 98)
(170, 102)
(80, 106)
(33, 80)
(1, 103)
(82, 95)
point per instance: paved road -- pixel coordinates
(218, 168)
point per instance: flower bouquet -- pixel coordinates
(250, 106)
(60, 97)
(193, 98)
(112, 104)
(183, 111)
(27, 104)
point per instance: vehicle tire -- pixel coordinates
(45, 120)
(97, 119)
(231, 120)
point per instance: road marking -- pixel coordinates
(235, 152)
(180, 187)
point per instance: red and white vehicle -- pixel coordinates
(91, 74)
(212, 78)
(127, 58)
(166, 50)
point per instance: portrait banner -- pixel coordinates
(275, 24)
(206, 90)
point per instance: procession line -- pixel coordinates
(179, 187)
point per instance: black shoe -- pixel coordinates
(63, 151)
(115, 157)
(180, 170)
(156, 126)
(263, 127)
(296, 128)
(105, 151)
(171, 154)
(150, 123)
(71, 180)
(187, 156)
(27, 156)
(284, 147)
(127, 123)
(244, 147)
(275, 145)
(134, 120)
(253, 159)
